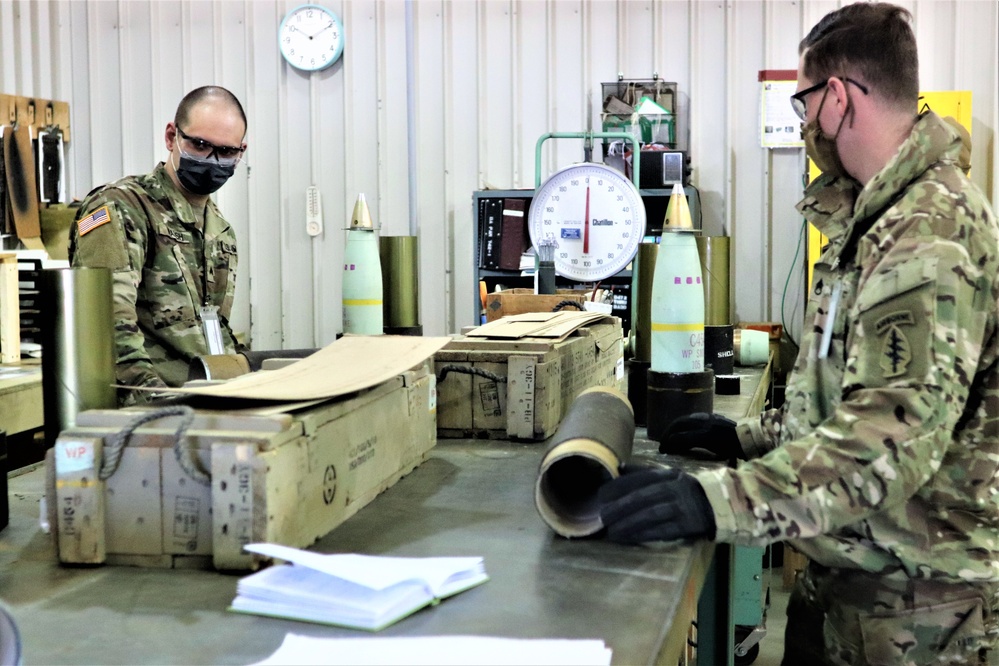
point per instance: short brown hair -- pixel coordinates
(872, 41)
(197, 95)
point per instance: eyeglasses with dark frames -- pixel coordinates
(207, 149)
(798, 98)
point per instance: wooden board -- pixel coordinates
(10, 312)
(21, 186)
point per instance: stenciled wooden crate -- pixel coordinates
(287, 478)
(542, 377)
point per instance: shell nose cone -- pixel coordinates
(361, 218)
(677, 211)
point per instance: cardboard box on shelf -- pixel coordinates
(286, 473)
(518, 301)
(527, 370)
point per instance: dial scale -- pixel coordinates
(595, 217)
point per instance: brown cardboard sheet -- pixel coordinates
(350, 364)
(556, 325)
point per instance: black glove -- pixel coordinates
(712, 432)
(655, 505)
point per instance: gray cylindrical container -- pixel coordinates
(78, 354)
(587, 450)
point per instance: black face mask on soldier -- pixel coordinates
(202, 176)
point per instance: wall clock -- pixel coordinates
(311, 37)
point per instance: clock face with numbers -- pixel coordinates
(311, 37)
(594, 216)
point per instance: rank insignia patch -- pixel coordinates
(94, 220)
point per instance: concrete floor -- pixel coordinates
(772, 645)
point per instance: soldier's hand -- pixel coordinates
(655, 505)
(711, 432)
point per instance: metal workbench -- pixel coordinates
(472, 497)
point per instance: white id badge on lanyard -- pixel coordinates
(212, 328)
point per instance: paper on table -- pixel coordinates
(356, 591)
(438, 650)
(350, 364)
(373, 571)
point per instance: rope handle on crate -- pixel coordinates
(185, 458)
(465, 370)
(566, 304)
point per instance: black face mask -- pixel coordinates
(203, 176)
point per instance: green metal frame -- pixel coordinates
(588, 138)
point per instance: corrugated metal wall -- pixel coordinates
(487, 79)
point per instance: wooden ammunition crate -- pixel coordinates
(542, 377)
(287, 477)
(517, 301)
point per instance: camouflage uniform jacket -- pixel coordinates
(168, 261)
(884, 456)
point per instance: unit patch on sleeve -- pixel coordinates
(94, 220)
(896, 351)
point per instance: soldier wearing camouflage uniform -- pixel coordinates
(882, 464)
(172, 253)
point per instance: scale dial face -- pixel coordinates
(595, 217)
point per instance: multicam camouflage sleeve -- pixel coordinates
(889, 440)
(111, 233)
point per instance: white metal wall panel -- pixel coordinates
(234, 199)
(745, 217)
(436, 299)
(531, 97)
(784, 248)
(261, 254)
(461, 137)
(491, 76)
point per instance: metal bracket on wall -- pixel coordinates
(17, 110)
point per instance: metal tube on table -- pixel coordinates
(714, 255)
(214, 367)
(227, 366)
(587, 450)
(642, 278)
(78, 353)
(400, 261)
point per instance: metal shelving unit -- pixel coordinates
(655, 203)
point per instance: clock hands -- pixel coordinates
(329, 25)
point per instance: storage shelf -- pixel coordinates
(655, 200)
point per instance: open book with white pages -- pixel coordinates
(357, 591)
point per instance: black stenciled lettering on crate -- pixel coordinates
(329, 484)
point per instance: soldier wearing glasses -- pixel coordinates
(172, 252)
(882, 464)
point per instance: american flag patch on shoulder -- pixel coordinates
(94, 220)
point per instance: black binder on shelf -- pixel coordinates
(490, 232)
(514, 238)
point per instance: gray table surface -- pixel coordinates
(472, 497)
